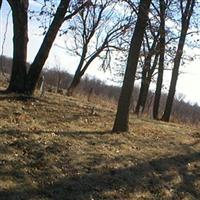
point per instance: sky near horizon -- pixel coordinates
(188, 82)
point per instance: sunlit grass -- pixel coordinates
(58, 148)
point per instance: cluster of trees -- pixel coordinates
(100, 30)
(157, 48)
(57, 80)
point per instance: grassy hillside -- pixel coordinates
(61, 148)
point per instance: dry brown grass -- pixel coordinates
(58, 148)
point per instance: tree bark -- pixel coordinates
(76, 80)
(122, 116)
(161, 61)
(78, 74)
(147, 74)
(82, 69)
(186, 15)
(148, 82)
(144, 86)
(39, 61)
(20, 40)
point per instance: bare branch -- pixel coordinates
(86, 4)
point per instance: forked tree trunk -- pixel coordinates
(122, 116)
(78, 74)
(76, 80)
(161, 61)
(81, 69)
(20, 40)
(148, 82)
(145, 83)
(147, 72)
(143, 89)
(21, 81)
(186, 15)
(39, 61)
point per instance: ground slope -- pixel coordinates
(61, 148)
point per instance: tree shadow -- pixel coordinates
(17, 132)
(176, 176)
(18, 97)
(139, 177)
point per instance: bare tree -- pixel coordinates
(186, 8)
(38, 63)
(147, 71)
(20, 40)
(23, 81)
(122, 116)
(96, 33)
(157, 96)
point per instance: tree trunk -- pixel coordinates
(122, 116)
(143, 88)
(78, 74)
(161, 61)
(82, 69)
(20, 40)
(186, 15)
(39, 61)
(148, 82)
(144, 85)
(58, 83)
(147, 72)
(157, 95)
(76, 80)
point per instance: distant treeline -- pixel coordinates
(58, 81)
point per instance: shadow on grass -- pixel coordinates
(17, 97)
(178, 174)
(16, 132)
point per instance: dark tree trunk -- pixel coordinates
(161, 61)
(122, 116)
(59, 79)
(144, 89)
(38, 63)
(76, 80)
(82, 69)
(186, 15)
(148, 82)
(78, 74)
(20, 40)
(157, 95)
(147, 72)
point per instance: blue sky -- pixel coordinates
(188, 83)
